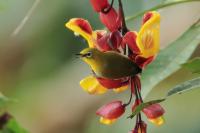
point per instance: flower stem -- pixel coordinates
(130, 99)
(121, 10)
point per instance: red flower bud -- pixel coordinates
(112, 83)
(112, 20)
(111, 110)
(153, 111)
(99, 5)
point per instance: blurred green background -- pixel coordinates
(39, 69)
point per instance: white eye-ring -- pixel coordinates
(89, 54)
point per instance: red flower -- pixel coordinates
(154, 113)
(110, 112)
(99, 5)
(112, 20)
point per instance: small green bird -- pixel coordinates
(111, 65)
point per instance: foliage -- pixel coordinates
(193, 65)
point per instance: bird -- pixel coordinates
(109, 64)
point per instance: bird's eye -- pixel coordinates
(89, 54)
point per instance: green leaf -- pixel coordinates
(159, 7)
(185, 86)
(170, 59)
(193, 65)
(10, 125)
(144, 105)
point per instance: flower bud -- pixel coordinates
(112, 20)
(154, 113)
(111, 111)
(99, 5)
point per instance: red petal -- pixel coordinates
(111, 110)
(146, 17)
(143, 62)
(84, 25)
(111, 20)
(154, 111)
(108, 42)
(115, 39)
(111, 83)
(103, 43)
(130, 40)
(99, 5)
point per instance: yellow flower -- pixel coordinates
(83, 28)
(91, 85)
(107, 121)
(158, 121)
(148, 39)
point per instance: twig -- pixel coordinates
(25, 19)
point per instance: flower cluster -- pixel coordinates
(140, 47)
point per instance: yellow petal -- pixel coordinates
(121, 89)
(148, 39)
(158, 121)
(91, 85)
(107, 121)
(81, 27)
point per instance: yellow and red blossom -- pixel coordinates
(155, 114)
(91, 85)
(148, 39)
(143, 47)
(83, 28)
(145, 44)
(110, 112)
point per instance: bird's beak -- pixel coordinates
(79, 55)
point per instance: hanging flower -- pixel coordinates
(143, 46)
(103, 41)
(155, 114)
(110, 112)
